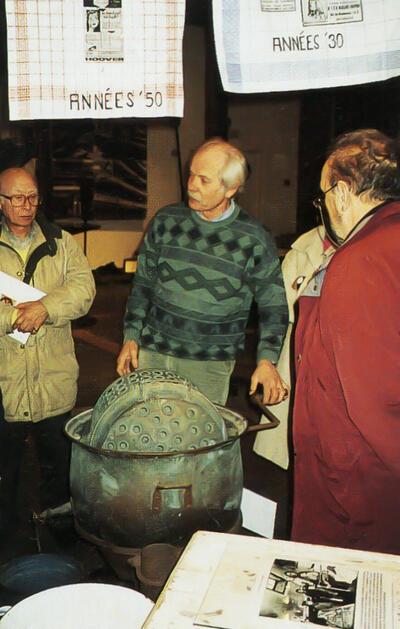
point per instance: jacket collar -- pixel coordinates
(308, 241)
(311, 244)
(380, 211)
(44, 243)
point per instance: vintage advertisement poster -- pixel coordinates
(94, 58)
(331, 11)
(283, 45)
(104, 30)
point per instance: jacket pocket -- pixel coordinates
(58, 371)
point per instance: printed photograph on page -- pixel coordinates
(311, 592)
(316, 12)
(104, 30)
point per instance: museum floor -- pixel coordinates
(98, 338)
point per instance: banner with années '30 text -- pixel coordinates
(280, 45)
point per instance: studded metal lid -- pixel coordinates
(153, 410)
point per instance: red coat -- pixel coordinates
(347, 405)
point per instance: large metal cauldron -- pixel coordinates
(155, 461)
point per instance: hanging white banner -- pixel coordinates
(280, 45)
(95, 58)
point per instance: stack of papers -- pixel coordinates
(18, 292)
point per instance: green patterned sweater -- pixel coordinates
(195, 283)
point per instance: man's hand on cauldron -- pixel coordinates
(274, 388)
(128, 358)
(30, 316)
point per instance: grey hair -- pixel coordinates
(235, 170)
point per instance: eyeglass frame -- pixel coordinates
(26, 198)
(319, 201)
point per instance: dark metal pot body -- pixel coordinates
(133, 499)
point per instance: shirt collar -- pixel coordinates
(226, 214)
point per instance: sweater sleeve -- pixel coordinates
(269, 293)
(139, 299)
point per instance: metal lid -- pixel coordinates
(154, 410)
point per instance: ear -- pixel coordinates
(230, 193)
(343, 196)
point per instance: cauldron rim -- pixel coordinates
(118, 454)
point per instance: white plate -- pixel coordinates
(80, 606)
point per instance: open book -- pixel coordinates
(301, 584)
(227, 581)
(15, 292)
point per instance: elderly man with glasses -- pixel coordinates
(38, 379)
(346, 415)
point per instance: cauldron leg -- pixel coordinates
(154, 566)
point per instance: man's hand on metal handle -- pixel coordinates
(274, 388)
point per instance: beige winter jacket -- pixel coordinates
(39, 379)
(300, 263)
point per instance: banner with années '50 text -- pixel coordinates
(95, 58)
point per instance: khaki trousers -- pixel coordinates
(212, 377)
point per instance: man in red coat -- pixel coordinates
(347, 402)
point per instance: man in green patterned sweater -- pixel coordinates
(199, 268)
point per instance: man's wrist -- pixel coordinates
(130, 336)
(266, 360)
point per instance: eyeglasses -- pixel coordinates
(319, 201)
(18, 200)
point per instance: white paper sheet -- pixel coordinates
(279, 45)
(258, 513)
(95, 58)
(18, 292)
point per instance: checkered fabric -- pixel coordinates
(195, 283)
(127, 64)
(286, 45)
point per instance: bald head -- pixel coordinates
(12, 177)
(18, 200)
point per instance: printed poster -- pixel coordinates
(104, 30)
(95, 58)
(283, 45)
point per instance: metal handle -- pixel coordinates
(273, 420)
(186, 488)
